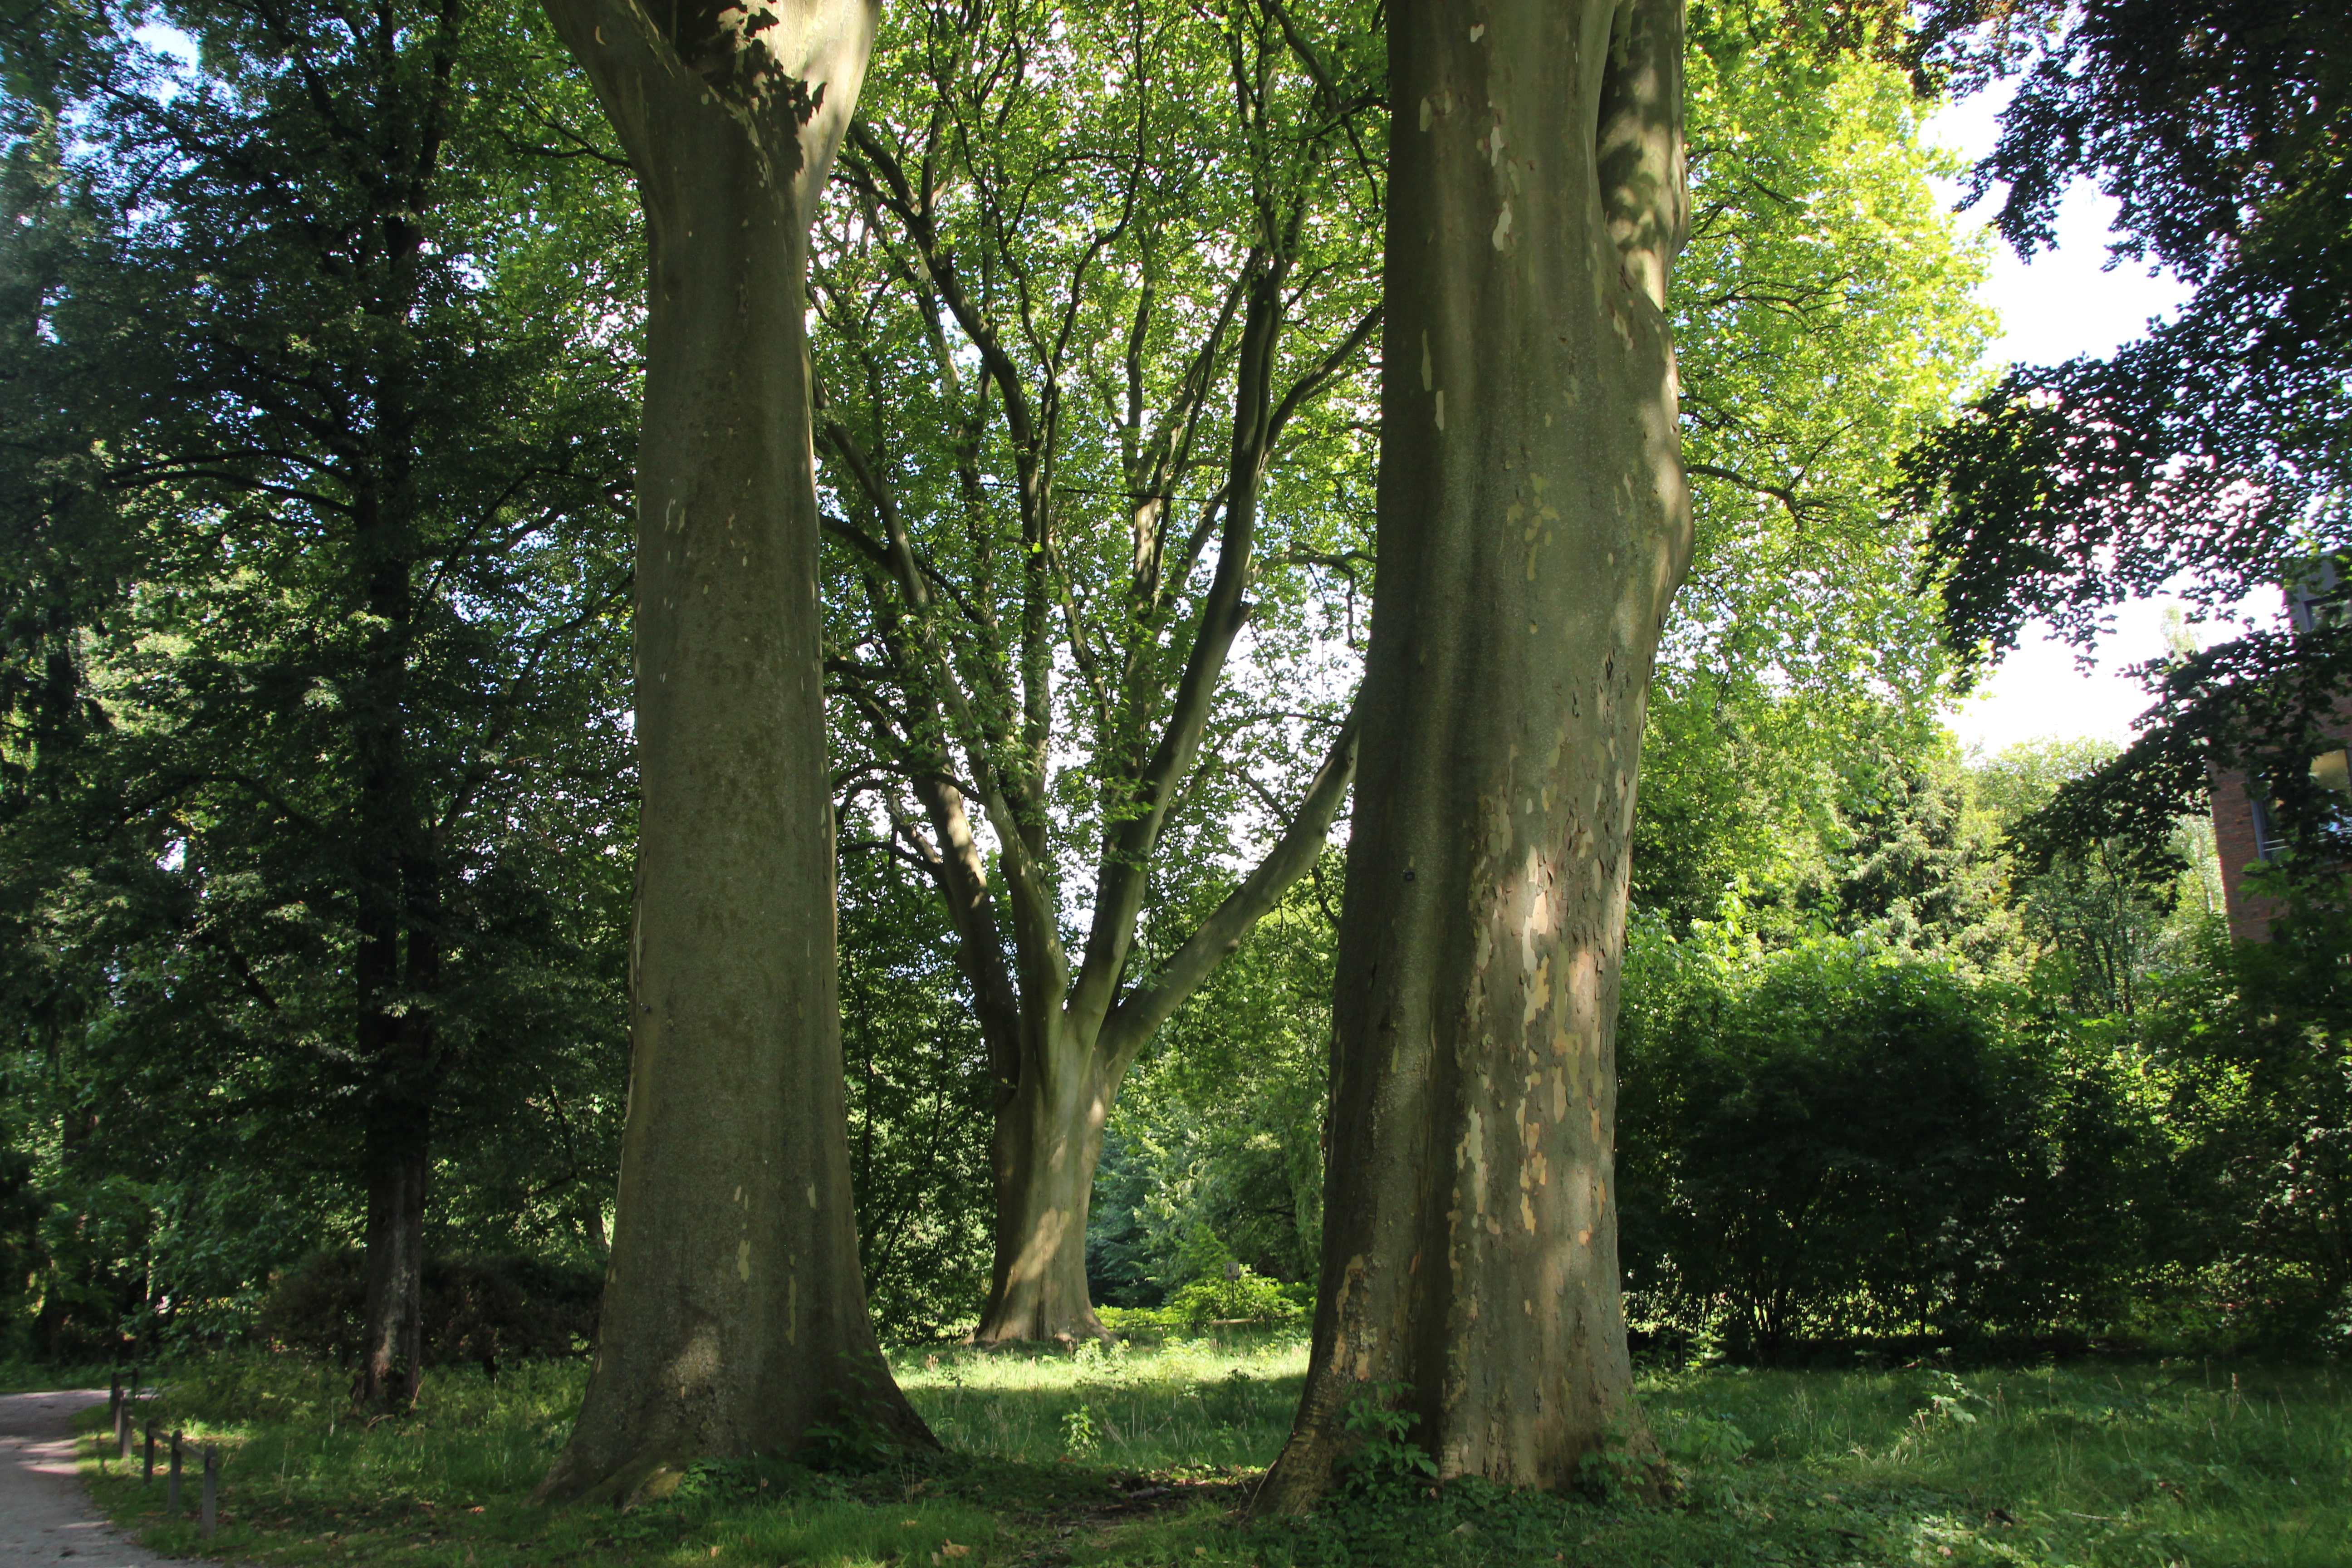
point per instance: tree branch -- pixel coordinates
(1148, 1005)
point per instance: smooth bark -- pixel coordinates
(734, 1313)
(1533, 525)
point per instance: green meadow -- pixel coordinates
(1145, 1454)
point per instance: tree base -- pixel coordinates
(655, 1472)
(647, 1477)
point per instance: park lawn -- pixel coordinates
(1143, 1455)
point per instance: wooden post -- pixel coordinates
(171, 1487)
(122, 1432)
(212, 1490)
(147, 1473)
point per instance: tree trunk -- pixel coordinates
(1066, 1071)
(399, 1149)
(734, 1314)
(391, 1356)
(1533, 525)
(395, 1041)
(397, 981)
(1048, 1137)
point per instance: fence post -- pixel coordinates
(211, 1489)
(148, 1474)
(122, 1432)
(171, 1486)
(114, 1396)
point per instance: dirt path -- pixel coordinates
(44, 1515)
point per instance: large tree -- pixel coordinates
(734, 1315)
(1823, 319)
(1096, 291)
(312, 440)
(1533, 526)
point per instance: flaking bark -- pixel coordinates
(1533, 525)
(734, 1312)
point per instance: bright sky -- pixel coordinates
(2061, 304)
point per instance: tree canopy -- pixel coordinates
(543, 763)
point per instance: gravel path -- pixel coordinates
(44, 1515)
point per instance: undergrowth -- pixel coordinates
(1145, 1455)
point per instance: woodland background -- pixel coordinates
(1889, 1076)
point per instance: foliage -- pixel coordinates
(2214, 445)
(1887, 1072)
(917, 1074)
(2259, 1038)
(1033, 339)
(1213, 1153)
(1244, 1297)
(2208, 458)
(314, 828)
(1094, 293)
(1916, 866)
(2263, 705)
(1387, 1464)
(2103, 917)
(1057, 487)
(1823, 323)
(1833, 1140)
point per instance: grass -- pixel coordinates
(1200, 1406)
(1142, 1456)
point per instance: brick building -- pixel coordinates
(2243, 833)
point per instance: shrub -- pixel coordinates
(2257, 1038)
(490, 1309)
(1242, 1297)
(1837, 1140)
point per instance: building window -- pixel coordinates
(2319, 593)
(2330, 770)
(2267, 842)
(2333, 770)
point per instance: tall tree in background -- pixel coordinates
(1093, 307)
(1824, 323)
(1533, 526)
(734, 1316)
(329, 466)
(2212, 456)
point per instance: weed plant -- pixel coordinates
(1143, 1456)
